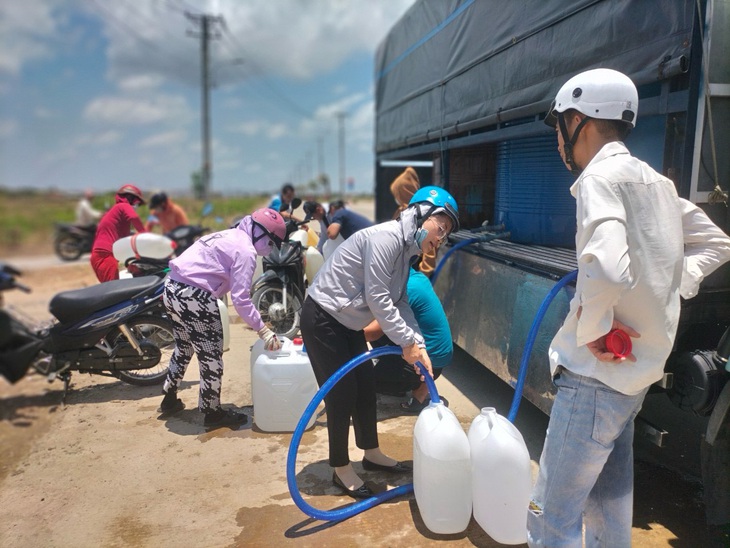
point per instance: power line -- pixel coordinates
(289, 103)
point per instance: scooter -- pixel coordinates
(116, 329)
(71, 241)
(279, 292)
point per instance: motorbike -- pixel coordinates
(115, 329)
(278, 294)
(151, 257)
(71, 241)
(184, 236)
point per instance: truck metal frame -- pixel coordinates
(462, 89)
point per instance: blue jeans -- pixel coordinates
(586, 468)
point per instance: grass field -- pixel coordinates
(27, 218)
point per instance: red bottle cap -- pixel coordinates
(618, 342)
(297, 340)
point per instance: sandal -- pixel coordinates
(415, 406)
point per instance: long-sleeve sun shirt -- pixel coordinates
(638, 245)
(221, 262)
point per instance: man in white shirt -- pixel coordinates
(86, 215)
(639, 247)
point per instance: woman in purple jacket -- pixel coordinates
(214, 265)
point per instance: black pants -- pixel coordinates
(330, 345)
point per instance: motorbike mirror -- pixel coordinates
(291, 227)
(296, 202)
(207, 209)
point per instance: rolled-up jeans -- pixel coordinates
(586, 468)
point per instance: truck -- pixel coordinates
(462, 88)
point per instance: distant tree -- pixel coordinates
(324, 182)
(196, 183)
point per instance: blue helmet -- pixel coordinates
(441, 202)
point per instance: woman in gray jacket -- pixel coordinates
(363, 280)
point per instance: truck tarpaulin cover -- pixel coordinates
(452, 66)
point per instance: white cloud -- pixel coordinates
(253, 128)
(8, 128)
(123, 110)
(288, 38)
(141, 82)
(276, 131)
(166, 138)
(250, 128)
(43, 113)
(26, 31)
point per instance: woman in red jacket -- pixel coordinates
(115, 224)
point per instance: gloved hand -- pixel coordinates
(271, 341)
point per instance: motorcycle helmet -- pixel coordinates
(159, 199)
(599, 93)
(430, 200)
(270, 223)
(131, 191)
(602, 93)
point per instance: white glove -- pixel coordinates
(271, 341)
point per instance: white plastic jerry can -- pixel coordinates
(313, 261)
(330, 245)
(225, 323)
(501, 477)
(146, 244)
(282, 385)
(441, 470)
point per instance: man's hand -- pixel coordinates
(599, 350)
(413, 354)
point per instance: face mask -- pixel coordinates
(261, 243)
(421, 234)
(263, 246)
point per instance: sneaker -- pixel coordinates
(171, 404)
(224, 417)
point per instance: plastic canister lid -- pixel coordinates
(297, 340)
(618, 342)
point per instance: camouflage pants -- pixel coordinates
(197, 329)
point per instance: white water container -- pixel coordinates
(330, 245)
(313, 262)
(441, 470)
(225, 322)
(300, 235)
(282, 385)
(146, 244)
(501, 477)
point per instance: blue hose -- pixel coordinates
(531, 341)
(291, 479)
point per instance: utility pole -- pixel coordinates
(320, 165)
(206, 24)
(341, 134)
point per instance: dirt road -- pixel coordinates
(103, 470)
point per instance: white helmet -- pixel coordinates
(599, 93)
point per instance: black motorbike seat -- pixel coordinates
(73, 306)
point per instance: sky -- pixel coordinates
(98, 93)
